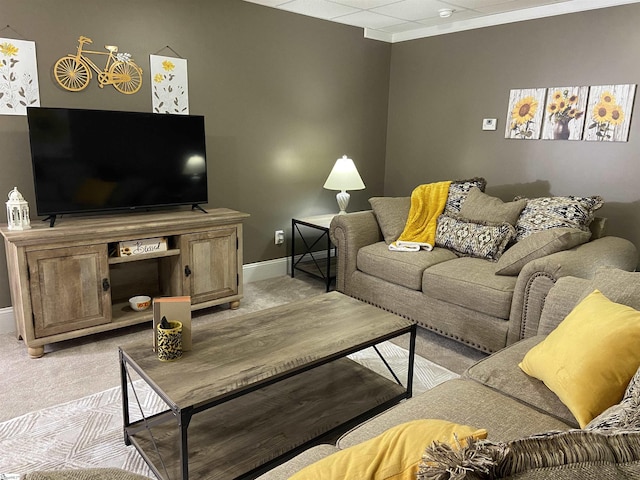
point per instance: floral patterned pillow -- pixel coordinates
(473, 239)
(623, 416)
(458, 191)
(552, 212)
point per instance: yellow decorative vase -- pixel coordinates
(170, 342)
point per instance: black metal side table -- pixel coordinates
(310, 261)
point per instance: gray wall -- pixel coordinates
(442, 87)
(283, 97)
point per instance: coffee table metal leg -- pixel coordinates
(125, 397)
(412, 351)
(184, 418)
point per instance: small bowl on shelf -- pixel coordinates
(140, 302)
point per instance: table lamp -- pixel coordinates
(344, 176)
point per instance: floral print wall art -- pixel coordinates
(609, 113)
(565, 113)
(18, 76)
(169, 85)
(526, 108)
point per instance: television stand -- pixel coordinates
(196, 206)
(69, 282)
(51, 219)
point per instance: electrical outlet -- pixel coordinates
(279, 237)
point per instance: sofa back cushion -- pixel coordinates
(391, 214)
(480, 207)
(538, 245)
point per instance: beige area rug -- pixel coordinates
(87, 433)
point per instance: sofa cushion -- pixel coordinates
(400, 268)
(458, 191)
(391, 214)
(470, 282)
(553, 212)
(465, 402)
(589, 359)
(500, 371)
(624, 415)
(538, 245)
(480, 207)
(392, 455)
(474, 239)
(306, 458)
(617, 285)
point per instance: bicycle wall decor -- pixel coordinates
(73, 71)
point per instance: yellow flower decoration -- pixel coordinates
(616, 116)
(8, 49)
(524, 110)
(558, 95)
(601, 113)
(607, 98)
(552, 108)
(158, 77)
(168, 66)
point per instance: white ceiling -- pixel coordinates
(400, 20)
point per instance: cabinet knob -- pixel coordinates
(105, 284)
(187, 271)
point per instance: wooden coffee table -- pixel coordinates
(259, 388)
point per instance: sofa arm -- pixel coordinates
(538, 276)
(349, 233)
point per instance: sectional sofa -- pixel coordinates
(532, 432)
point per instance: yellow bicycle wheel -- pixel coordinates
(126, 77)
(71, 74)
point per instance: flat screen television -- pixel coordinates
(89, 161)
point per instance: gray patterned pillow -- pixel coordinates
(623, 416)
(473, 239)
(458, 191)
(552, 212)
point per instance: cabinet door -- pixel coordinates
(69, 288)
(210, 264)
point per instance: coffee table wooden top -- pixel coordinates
(243, 352)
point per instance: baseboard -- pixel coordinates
(7, 324)
(252, 272)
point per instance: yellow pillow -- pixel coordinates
(591, 356)
(392, 455)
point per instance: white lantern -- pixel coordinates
(17, 211)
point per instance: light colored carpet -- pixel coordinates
(77, 368)
(87, 433)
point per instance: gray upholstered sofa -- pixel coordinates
(462, 296)
(495, 394)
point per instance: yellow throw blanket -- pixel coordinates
(427, 203)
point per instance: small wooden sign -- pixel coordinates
(142, 246)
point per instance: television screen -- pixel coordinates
(94, 161)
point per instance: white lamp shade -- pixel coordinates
(344, 176)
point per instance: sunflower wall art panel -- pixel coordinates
(525, 114)
(565, 113)
(608, 113)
